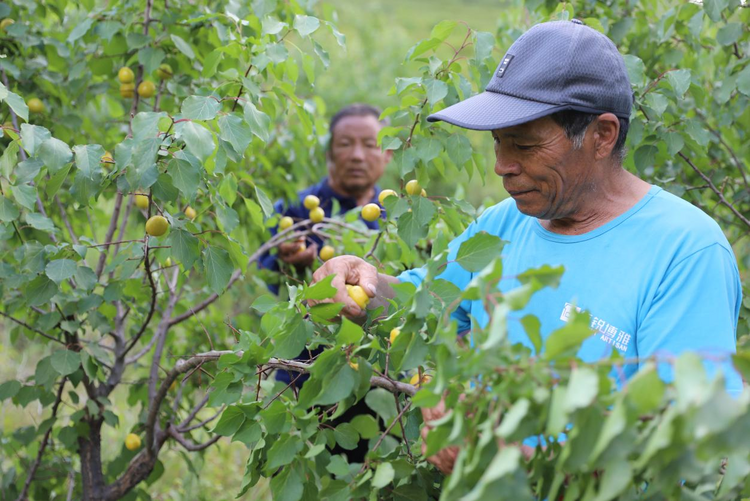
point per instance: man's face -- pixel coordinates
(355, 161)
(546, 177)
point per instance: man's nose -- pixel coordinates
(506, 165)
(358, 152)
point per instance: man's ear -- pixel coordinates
(606, 130)
(329, 160)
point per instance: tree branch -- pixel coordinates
(19, 322)
(110, 232)
(295, 366)
(195, 411)
(64, 218)
(187, 444)
(25, 492)
(202, 423)
(288, 234)
(716, 190)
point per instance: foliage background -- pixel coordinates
(713, 118)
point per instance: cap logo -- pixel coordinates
(504, 65)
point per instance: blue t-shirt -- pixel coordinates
(659, 279)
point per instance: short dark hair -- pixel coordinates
(574, 124)
(354, 110)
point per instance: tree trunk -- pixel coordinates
(90, 450)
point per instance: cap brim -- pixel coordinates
(491, 110)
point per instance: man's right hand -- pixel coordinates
(355, 271)
(290, 253)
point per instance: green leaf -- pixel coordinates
(56, 181)
(88, 160)
(8, 210)
(16, 102)
(483, 44)
(33, 136)
(55, 154)
(366, 426)
(9, 160)
(287, 485)
(185, 176)
(25, 195)
(505, 462)
(264, 201)
(283, 451)
(183, 46)
(644, 157)
(570, 336)
(346, 436)
(636, 69)
(478, 251)
(410, 230)
(80, 29)
(459, 149)
(236, 132)
(743, 81)
(582, 389)
(150, 58)
(211, 63)
(436, 90)
(645, 390)
(381, 401)
(66, 362)
(320, 290)
(40, 290)
(384, 475)
(306, 25)
(258, 121)
(532, 326)
(200, 107)
(265, 303)
(61, 269)
(513, 417)
(230, 421)
(145, 126)
(272, 26)
(9, 389)
(199, 140)
(714, 8)
(443, 29)
(185, 247)
(219, 268)
(349, 333)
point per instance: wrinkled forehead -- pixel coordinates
(535, 129)
(358, 126)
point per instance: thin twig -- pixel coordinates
(25, 492)
(64, 217)
(110, 232)
(715, 190)
(187, 444)
(202, 423)
(242, 87)
(19, 322)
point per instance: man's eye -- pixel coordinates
(524, 147)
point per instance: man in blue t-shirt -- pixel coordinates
(355, 164)
(656, 274)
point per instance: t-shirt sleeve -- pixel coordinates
(695, 308)
(453, 273)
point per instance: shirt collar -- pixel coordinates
(347, 203)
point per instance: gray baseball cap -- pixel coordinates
(554, 66)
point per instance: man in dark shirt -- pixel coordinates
(355, 163)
